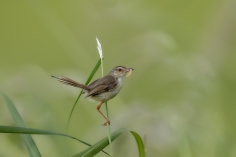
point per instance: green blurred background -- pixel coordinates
(181, 98)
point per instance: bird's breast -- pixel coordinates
(109, 94)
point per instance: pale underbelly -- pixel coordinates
(106, 96)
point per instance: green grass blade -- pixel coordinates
(29, 142)
(140, 144)
(23, 130)
(87, 82)
(96, 148)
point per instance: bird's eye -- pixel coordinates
(119, 69)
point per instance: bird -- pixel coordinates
(102, 89)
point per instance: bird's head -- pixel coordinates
(121, 71)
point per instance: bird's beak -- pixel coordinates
(132, 69)
(129, 71)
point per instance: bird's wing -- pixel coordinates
(107, 83)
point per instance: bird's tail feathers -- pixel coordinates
(71, 82)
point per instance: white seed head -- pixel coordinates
(99, 47)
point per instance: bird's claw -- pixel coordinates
(105, 124)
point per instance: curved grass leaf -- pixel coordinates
(96, 148)
(140, 144)
(28, 140)
(87, 82)
(23, 130)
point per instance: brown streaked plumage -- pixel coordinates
(102, 89)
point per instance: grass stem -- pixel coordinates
(108, 126)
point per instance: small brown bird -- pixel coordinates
(102, 89)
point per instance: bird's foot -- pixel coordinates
(107, 122)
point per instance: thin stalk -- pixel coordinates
(108, 126)
(109, 130)
(102, 66)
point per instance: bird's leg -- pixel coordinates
(107, 120)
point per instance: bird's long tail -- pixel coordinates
(71, 82)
